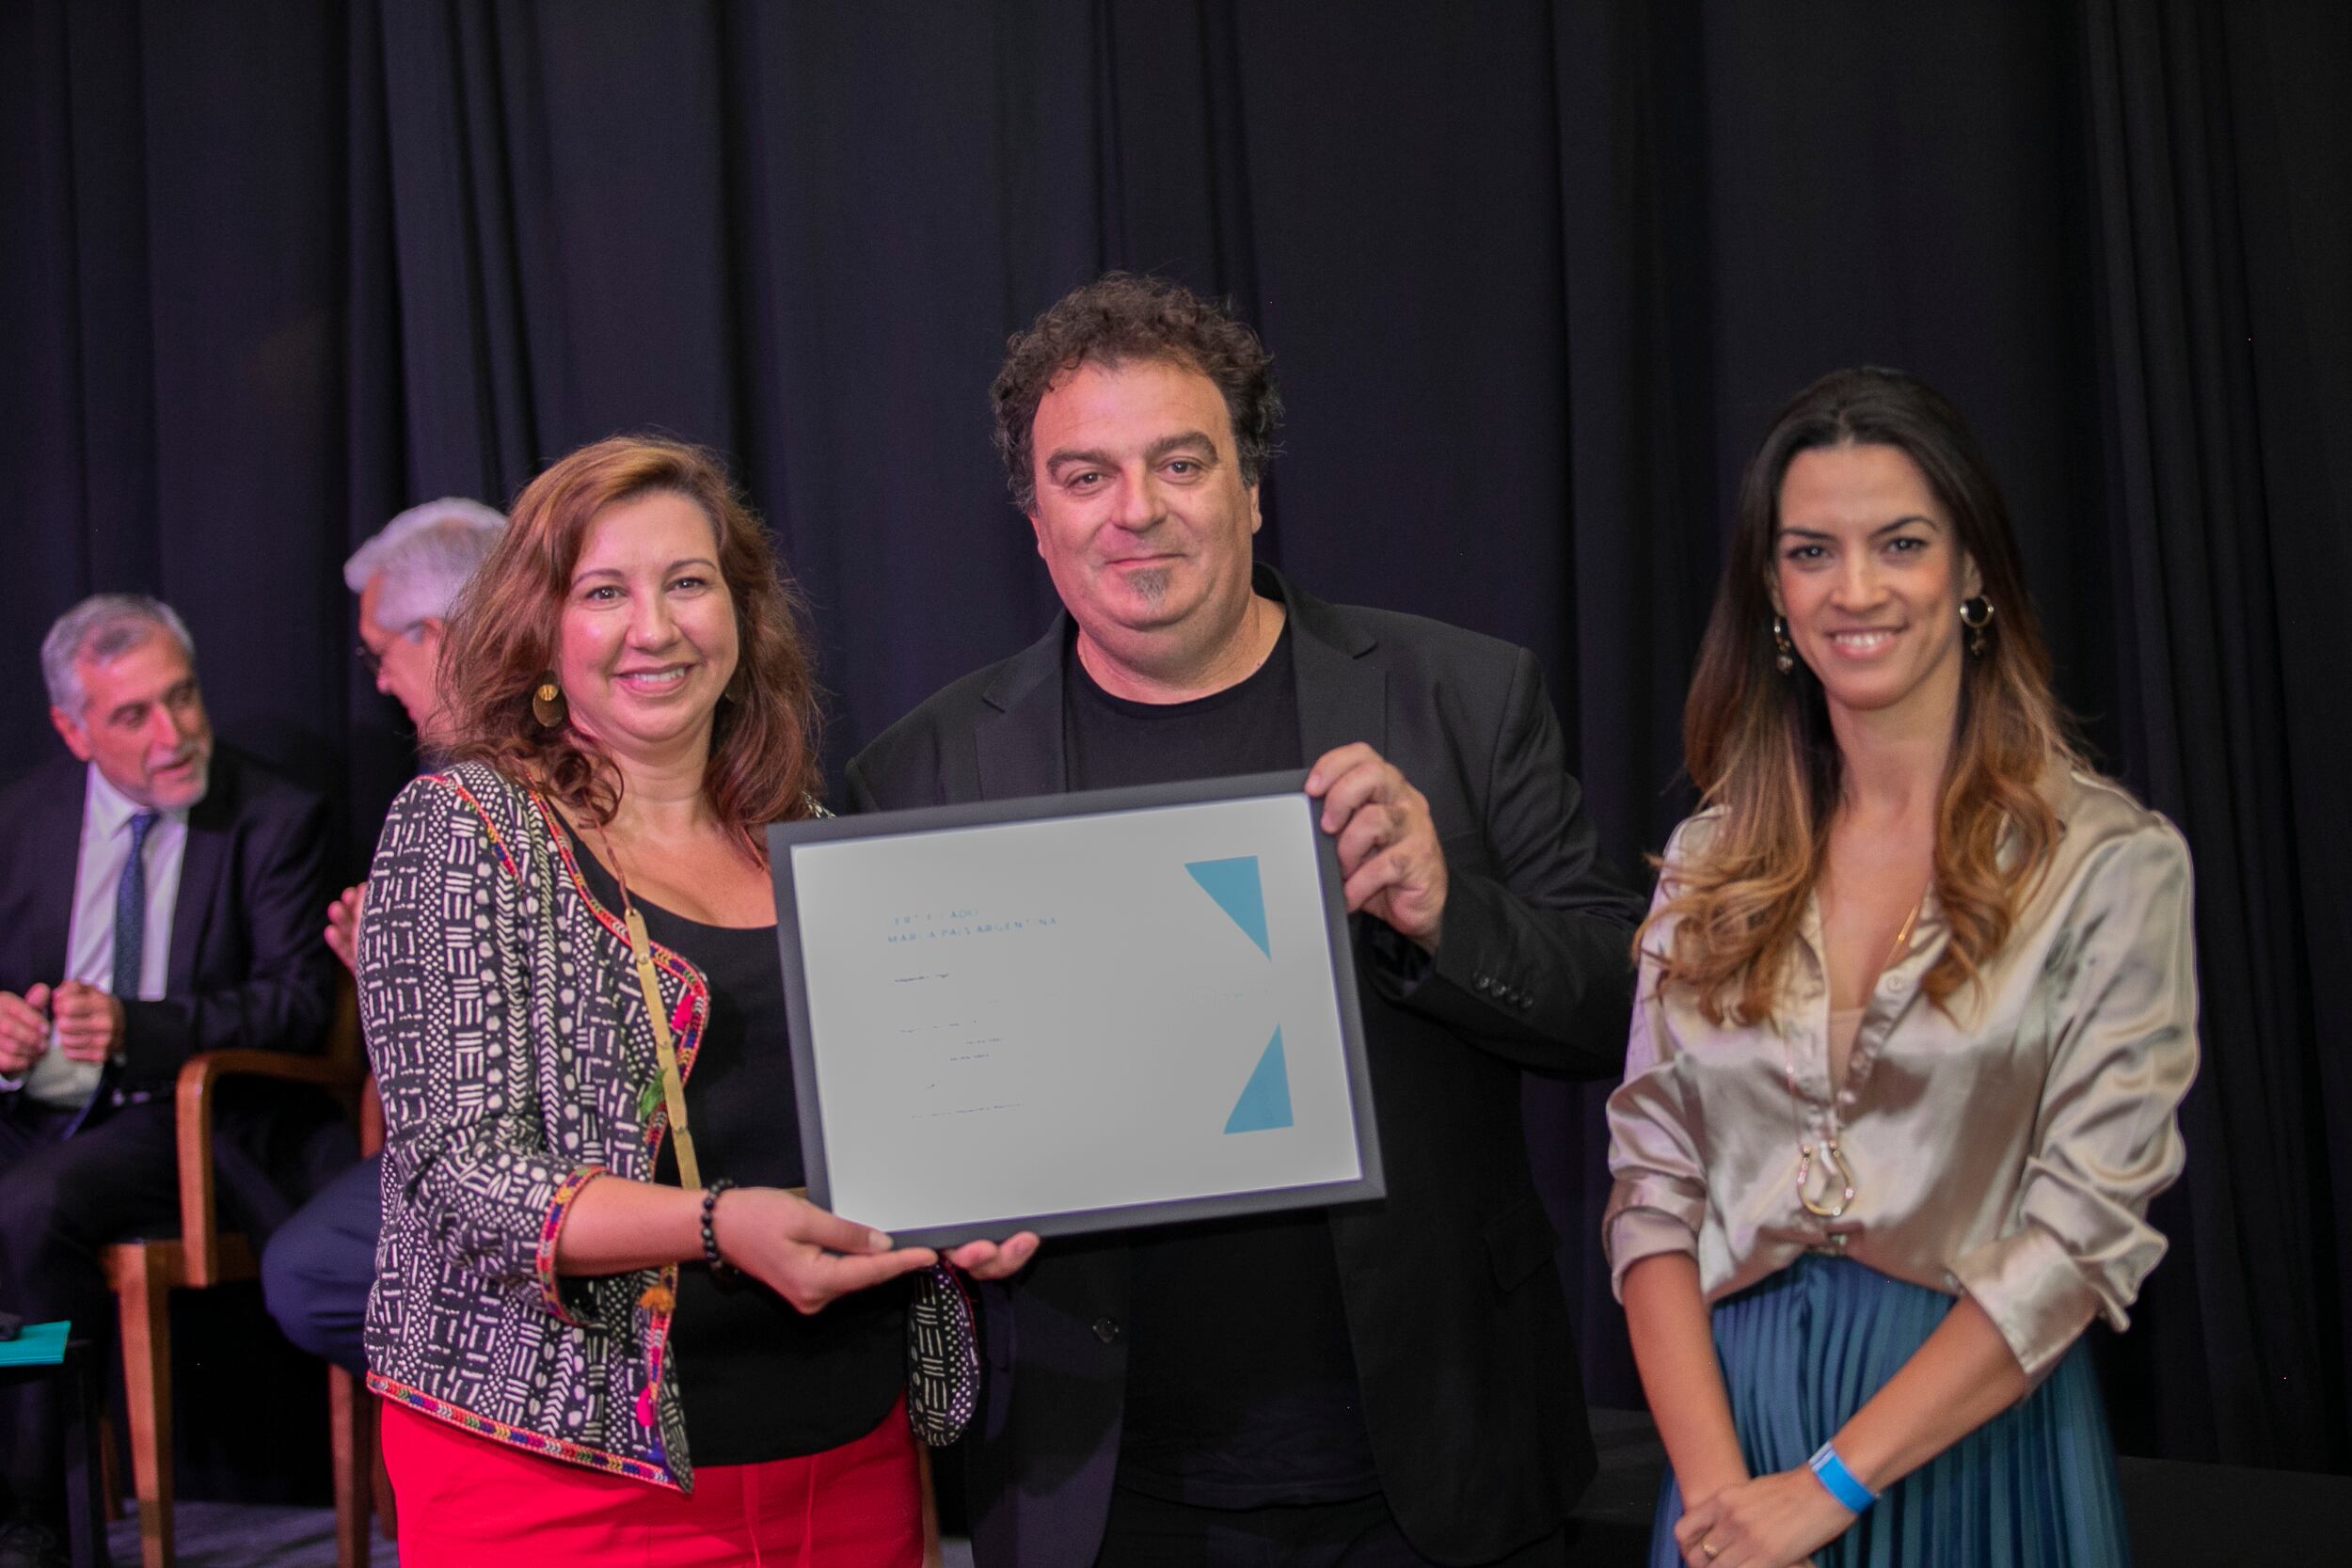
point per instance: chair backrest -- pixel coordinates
(345, 1049)
(371, 1119)
(339, 1068)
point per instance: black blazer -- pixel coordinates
(1461, 1335)
(249, 966)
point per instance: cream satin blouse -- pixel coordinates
(2008, 1154)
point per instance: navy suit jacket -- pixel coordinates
(1460, 1332)
(249, 966)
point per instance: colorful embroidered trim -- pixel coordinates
(491, 827)
(686, 1028)
(519, 1438)
(665, 957)
(687, 1020)
(692, 1010)
(656, 1302)
(694, 1004)
(543, 1260)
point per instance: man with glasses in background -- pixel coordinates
(317, 1268)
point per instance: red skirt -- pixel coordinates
(465, 1501)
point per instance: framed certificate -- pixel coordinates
(1074, 1013)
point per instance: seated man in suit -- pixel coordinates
(158, 897)
(1385, 1383)
(318, 1267)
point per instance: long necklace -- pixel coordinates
(664, 1049)
(1831, 1155)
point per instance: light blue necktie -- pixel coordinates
(131, 909)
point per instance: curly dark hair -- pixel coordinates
(1121, 317)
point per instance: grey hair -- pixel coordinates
(425, 554)
(101, 628)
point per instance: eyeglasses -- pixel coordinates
(372, 662)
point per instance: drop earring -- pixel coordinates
(1783, 651)
(1976, 614)
(548, 704)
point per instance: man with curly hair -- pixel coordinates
(1386, 1383)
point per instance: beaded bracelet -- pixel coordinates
(720, 1267)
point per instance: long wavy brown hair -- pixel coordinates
(501, 638)
(1759, 747)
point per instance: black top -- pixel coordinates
(1454, 1307)
(759, 1379)
(1240, 1382)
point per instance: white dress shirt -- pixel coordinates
(55, 1079)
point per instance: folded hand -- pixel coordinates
(1769, 1522)
(89, 1021)
(24, 1029)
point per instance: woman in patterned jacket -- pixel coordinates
(592, 1253)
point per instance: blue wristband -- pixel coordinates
(1832, 1472)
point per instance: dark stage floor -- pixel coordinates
(236, 1535)
(2181, 1514)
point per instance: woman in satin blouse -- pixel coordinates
(1916, 1011)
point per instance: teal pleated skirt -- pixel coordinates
(2032, 1488)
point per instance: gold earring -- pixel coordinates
(1976, 614)
(548, 704)
(1783, 651)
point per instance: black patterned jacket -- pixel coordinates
(515, 1056)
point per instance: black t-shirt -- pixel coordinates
(1241, 1384)
(758, 1380)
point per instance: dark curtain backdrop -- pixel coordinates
(1536, 277)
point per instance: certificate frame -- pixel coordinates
(1334, 967)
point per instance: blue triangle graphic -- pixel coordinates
(1265, 1100)
(1233, 884)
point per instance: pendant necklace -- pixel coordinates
(1831, 1156)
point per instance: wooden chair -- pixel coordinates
(143, 1274)
(360, 1483)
